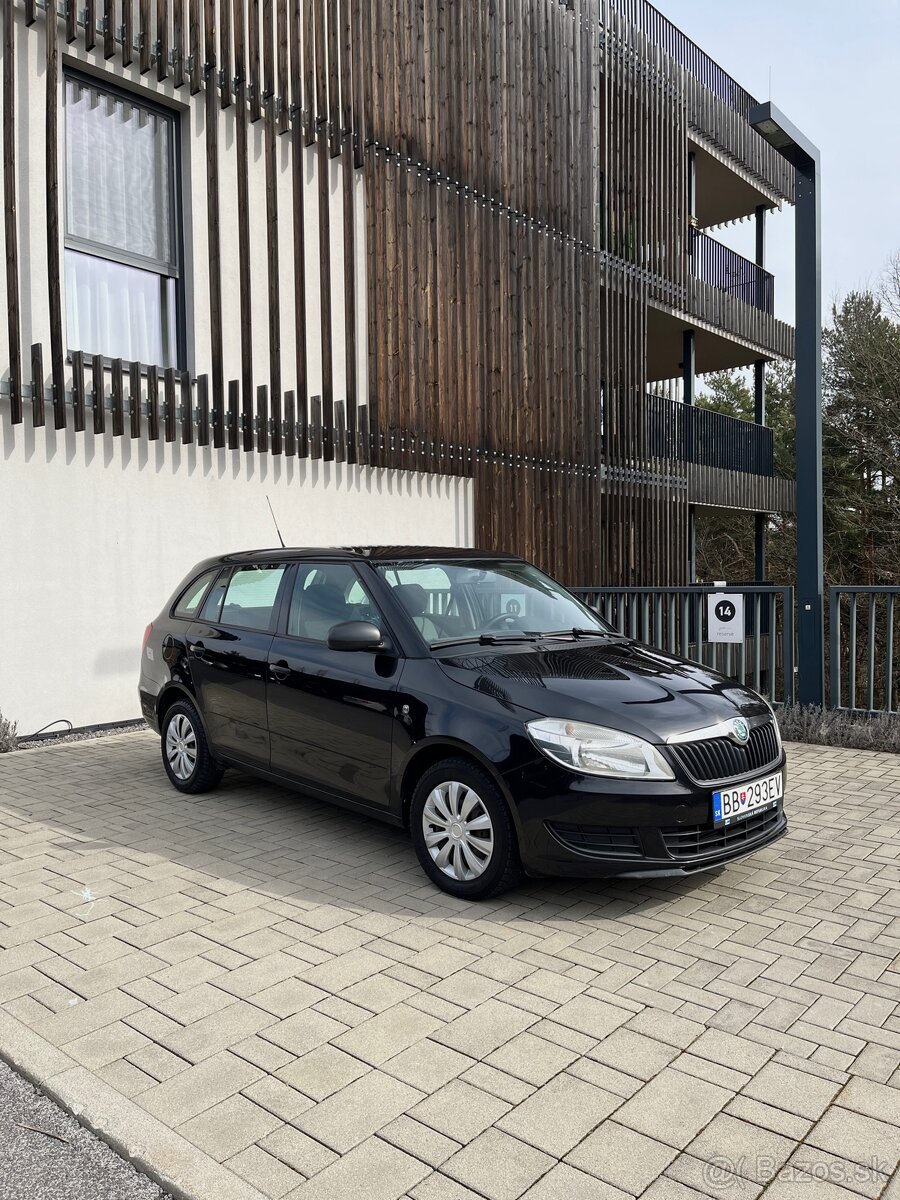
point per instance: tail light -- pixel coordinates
(147, 633)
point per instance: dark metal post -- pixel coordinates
(691, 204)
(688, 373)
(688, 364)
(761, 256)
(761, 518)
(810, 555)
(798, 150)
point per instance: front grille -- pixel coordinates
(693, 841)
(720, 758)
(603, 840)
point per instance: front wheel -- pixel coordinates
(185, 750)
(463, 832)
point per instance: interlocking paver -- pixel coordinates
(860, 1139)
(302, 1153)
(375, 1170)
(273, 1177)
(355, 1032)
(322, 1071)
(229, 1126)
(497, 1165)
(459, 1110)
(563, 1182)
(531, 1058)
(872, 1100)
(428, 1065)
(381, 1037)
(673, 1107)
(198, 1088)
(796, 1091)
(622, 1157)
(559, 1114)
(422, 1141)
(358, 1110)
(480, 1031)
(754, 1153)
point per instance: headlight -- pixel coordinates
(774, 722)
(595, 750)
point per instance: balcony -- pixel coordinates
(718, 107)
(687, 433)
(728, 302)
(729, 271)
(659, 31)
(728, 463)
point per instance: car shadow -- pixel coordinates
(112, 797)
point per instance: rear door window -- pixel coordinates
(250, 597)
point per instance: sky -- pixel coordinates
(835, 72)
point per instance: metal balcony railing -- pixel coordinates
(686, 433)
(661, 32)
(723, 268)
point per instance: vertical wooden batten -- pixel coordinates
(211, 123)
(10, 218)
(53, 106)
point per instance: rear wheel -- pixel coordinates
(185, 750)
(463, 832)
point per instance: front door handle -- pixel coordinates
(198, 649)
(279, 670)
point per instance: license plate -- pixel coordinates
(737, 803)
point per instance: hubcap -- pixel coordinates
(181, 746)
(458, 830)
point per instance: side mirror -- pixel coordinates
(356, 635)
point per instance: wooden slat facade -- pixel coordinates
(523, 172)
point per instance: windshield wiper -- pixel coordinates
(488, 639)
(578, 632)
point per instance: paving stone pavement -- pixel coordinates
(255, 995)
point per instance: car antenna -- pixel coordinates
(277, 530)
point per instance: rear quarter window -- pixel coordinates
(190, 601)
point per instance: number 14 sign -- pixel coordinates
(725, 617)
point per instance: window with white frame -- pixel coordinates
(122, 228)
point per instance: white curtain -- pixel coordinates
(119, 311)
(118, 167)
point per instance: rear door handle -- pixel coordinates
(279, 670)
(198, 649)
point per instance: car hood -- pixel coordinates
(619, 683)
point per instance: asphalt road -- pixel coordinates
(35, 1166)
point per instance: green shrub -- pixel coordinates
(829, 727)
(8, 739)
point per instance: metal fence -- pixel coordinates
(661, 32)
(688, 433)
(863, 623)
(675, 620)
(726, 269)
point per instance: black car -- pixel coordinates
(466, 696)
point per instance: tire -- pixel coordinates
(185, 751)
(472, 860)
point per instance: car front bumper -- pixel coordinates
(584, 826)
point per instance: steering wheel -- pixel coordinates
(505, 618)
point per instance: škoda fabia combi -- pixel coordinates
(468, 697)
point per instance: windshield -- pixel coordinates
(489, 600)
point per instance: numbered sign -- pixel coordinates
(725, 617)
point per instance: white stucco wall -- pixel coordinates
(98, 533)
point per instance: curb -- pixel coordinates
(158, 1152)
